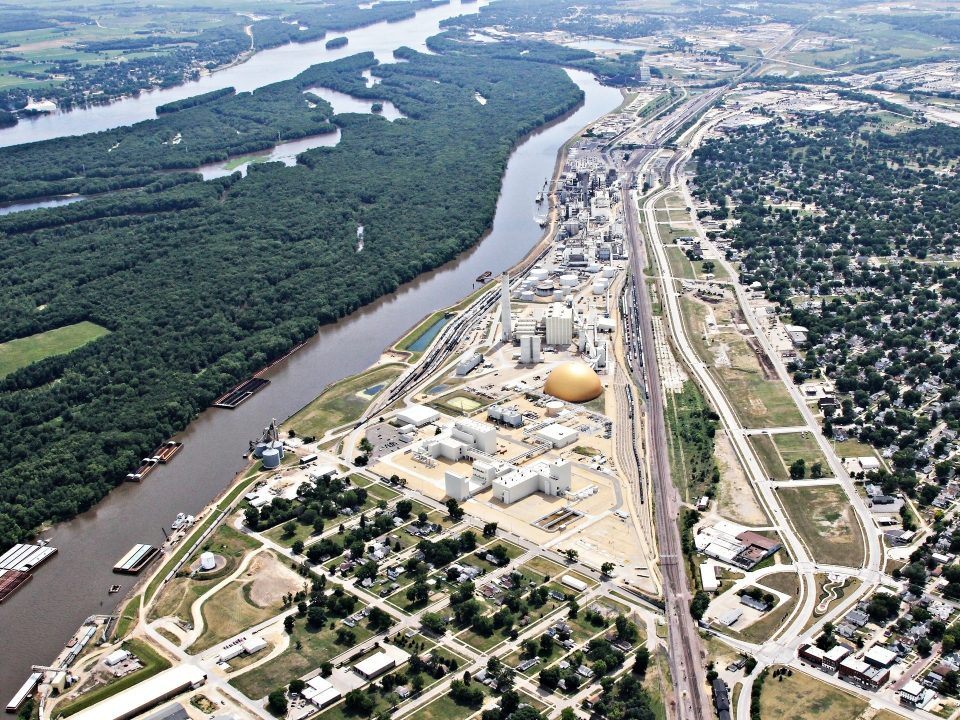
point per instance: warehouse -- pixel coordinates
(557, 436)
(375, 665)
(143, 696)
(417, 415)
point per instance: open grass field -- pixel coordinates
(824, 519)
(769, 457)
(797, 446)
(801, 697)
(229, 612)
(21, 352)
(315, 648)
(342, 402)
(680, 265)
(153, 663)
(180, 593)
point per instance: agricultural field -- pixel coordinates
(826, 522)
(21, 352)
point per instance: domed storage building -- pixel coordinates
(574, 382)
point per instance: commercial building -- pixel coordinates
(559, 324)
(375, 665)
(144, 695)
(320, 692)
(733, 544)
(860, 673)
(550, 478)
(914, 695)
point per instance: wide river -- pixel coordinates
(37, 621)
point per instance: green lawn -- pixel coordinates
(342, 402)
(316, 647)
(128, 617)
(21, 352)
(769, 457)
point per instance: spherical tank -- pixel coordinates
(574, 382)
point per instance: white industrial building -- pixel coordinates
(550, 478)
(464, 436)
(417, 415)
(529, 349)
(557, 435)
(144, 695)
(558, 322)
(507, 414)
(468, 362)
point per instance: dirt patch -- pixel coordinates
(737, 501)
(271, 580)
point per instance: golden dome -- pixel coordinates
(574, 382)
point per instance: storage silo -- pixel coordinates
(271, 458)
(208, 561)
(569, 280)
(278, 446)
(259, 448)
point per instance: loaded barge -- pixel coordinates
(17, 564)
(136, 559)
(161, 456)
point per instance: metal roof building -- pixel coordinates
(144, 695)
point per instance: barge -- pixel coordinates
(241, 393)
(136, 559)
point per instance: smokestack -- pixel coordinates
(505, 306)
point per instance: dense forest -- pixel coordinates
(202, 283)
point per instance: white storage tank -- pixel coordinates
(558, 295)
(539, 273)
(599, 287)
(569, 280)
(554, 407)
(609, 272)
(526, 296)
(593, 268)
(271, 458)
(208, 561)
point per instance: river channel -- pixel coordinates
(37, 621)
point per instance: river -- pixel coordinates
(38, 620)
